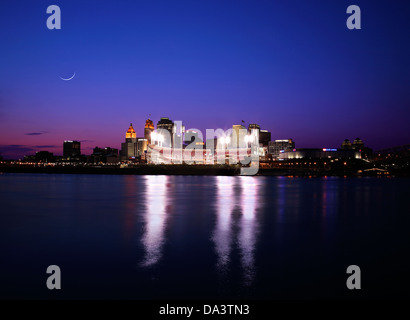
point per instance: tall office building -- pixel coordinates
(148, 129)
(166, 124)
(358, 144)
(104, 155)
(254, 126)
(279, 146)
(236, 128)
(178, 133)
(129, 147)
(264, 138)
(71, 149)
(264, 135)
(142, 147)
(346, 144)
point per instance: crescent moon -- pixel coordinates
(68, 79)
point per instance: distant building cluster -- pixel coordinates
(283, 150)
(169, 134)
(136, 149)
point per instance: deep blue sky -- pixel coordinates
(291, 66)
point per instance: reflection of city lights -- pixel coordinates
(155, 217)
(249, 224)
(222, 235)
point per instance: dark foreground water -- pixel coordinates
(149, 237)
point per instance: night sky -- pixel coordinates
(291, 66)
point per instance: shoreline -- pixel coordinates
(187, 170)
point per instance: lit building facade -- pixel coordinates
(324, 153)
(148, 129)
(165, 124)
(279, 146)
(357, 145)
(129, 147)
(264, 139)
(236, 129)
(142, 147)
(175, 136)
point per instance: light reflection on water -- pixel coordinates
(249, 225)
(245, 237)
(155, 218)
(200, 236)
(222, 236)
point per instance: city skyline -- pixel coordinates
(295, 70)
(61, 150)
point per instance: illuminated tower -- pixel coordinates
(130, 134)
(149, 127)
(129, 147)
(236, 129)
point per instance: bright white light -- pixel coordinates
(222, 140)
(227, 140)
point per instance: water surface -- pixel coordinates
(171, 237)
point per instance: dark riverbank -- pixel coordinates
(135, 170)
(209, 170)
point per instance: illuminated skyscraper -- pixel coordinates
(149, 128)
(130, 134)
(129, 147)
(166, 124)
(236, 129)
